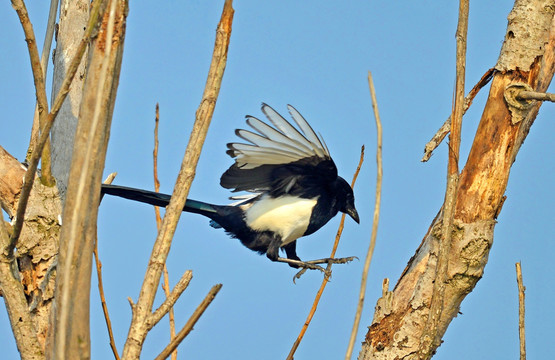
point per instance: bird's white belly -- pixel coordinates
(288, 216)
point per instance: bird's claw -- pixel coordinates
(344, 260)
(313, 265)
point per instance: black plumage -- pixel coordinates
(293, 181)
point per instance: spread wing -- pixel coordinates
(280, 159)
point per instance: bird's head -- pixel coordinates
(346, 199)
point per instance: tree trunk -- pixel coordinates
(71, 321)
(74, 16)
(398, 327)
(29, 304)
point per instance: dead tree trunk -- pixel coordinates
(71, 28)
(49, 261)
(70, 325)
(526, 59)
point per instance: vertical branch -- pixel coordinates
(103, 301)
(166, 284)
(155, 165)
(456, 123)
(521, 308)
(375, 221)
(44, 65)
(29, 178)
(139, 327)
(431, 337)
(71, 322)
(326, 277)
(38, 78)
(101, 288)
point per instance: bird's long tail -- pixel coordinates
(158, 199)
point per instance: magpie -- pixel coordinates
(293, 184)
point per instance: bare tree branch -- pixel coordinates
(431, 337)
(101, 288)
(166, 284)
(328, 270)
(534, 95)
(139, 323)
(44, 65)
(170, 300)
(103, 302)
(190, 323)
(44, 133)
(521, 309)
(446, 127)
(375, 221)
(40, 86)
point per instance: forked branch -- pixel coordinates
(142, 310)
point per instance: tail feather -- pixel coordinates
(158, 199)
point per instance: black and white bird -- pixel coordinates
(293, 181)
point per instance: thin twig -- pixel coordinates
(521, 333)
(38, 78)
(45, 132)
(327, 272)
(139, 327)
(51, 24)
(155, 165)
(430, 337)
(46, 164)
(170, 300)
(103, 301)
(446, 127)
(190, 323)
(166, 284)
(101, 287)
(375, 221)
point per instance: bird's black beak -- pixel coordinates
(352, 212)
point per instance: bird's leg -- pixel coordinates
(291, 251)
(292, 259)
(273, 249)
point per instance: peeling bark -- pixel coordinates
(11, 180)
(37, 247)
(398, 324)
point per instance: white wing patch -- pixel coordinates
(280, 144)
(288, 216)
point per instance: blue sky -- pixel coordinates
(314, 55)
